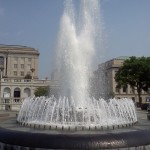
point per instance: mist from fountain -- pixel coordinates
(79, 38)
(62, 113)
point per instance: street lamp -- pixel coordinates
(32, 70)
(1, 70)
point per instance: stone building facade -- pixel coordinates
(105, 82)
(16, 62)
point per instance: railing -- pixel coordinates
(28, 81)
(11, 101)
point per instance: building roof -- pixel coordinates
(17, 49)
(13, 46)
(122, 58)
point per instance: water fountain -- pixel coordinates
(76, 119)
(79, 37)
(62, 114)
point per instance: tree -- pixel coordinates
(41, 91)
(136, 73)
(28, 76)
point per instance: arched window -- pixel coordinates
(27, 92)
(6, 93)
(17, 92)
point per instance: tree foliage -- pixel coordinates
(136, 73)
(41, 91)
(28, 76)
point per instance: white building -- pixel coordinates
(19, 75)
(105, 78)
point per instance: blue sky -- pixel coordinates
(35, 23)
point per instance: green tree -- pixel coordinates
(136, 73)
(28, 76)
(41, 91)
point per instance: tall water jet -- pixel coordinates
(79, 38)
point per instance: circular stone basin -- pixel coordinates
(12, 135)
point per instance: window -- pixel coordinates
(116, 72)
(22, 59)
(29, 66)
(133, 91)
(22, 66)
(117, 90)
(27, 80)
(1, 60)
(15, 66)
(17, 80)
(16, 58)
(29, 59)
(125, 89)
(133, 98)
(15, 73)
(22, 73)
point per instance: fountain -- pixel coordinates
(78, 39)
(60, 114)
(76, 119)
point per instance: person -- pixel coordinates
(148, 108)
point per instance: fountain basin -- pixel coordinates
(75, 128)
(14, 136)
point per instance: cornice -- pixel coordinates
(19, 52)
(17, 49)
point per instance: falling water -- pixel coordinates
(79, 37)
(60, 113)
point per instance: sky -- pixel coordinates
(35, 23)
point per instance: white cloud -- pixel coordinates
(1, 11)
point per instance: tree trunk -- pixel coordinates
(139, 95)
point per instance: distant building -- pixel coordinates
(19, 75)
(18, 61)
(106, 85)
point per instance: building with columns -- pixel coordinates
(18, 61)
(104, 81)
(19, 75)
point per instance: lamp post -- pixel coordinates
(1, 70)
(32, 70)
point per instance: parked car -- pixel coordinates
(148, 108)
(145, 105)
